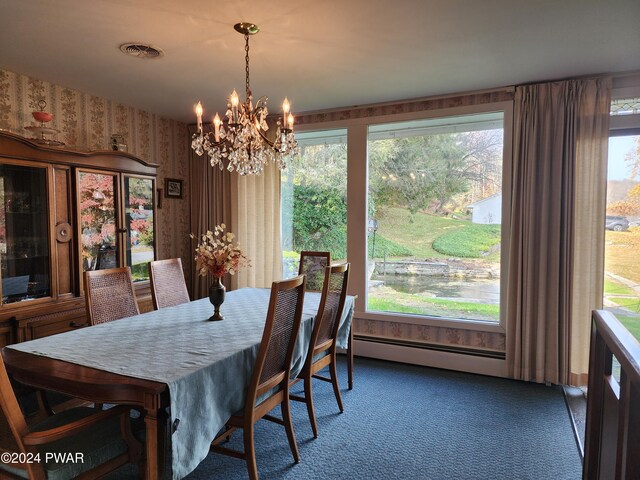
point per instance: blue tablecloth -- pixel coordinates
(207, 365)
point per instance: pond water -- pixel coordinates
(470, 289)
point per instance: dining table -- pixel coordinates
(186, 374)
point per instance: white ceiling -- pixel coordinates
(321, 54)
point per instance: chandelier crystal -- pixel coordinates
(243, 144)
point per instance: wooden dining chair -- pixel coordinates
(313, 264)
(109, 295)
(322, 345)
(168, 287)
(89, 443)
(269, 386)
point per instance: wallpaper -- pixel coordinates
(86, 123)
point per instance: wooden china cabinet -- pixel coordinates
(62, 213)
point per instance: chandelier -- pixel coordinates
(243, 144)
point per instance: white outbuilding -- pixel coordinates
(488, 210)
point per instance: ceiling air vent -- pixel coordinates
(141, 50)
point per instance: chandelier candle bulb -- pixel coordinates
(216, 127)
(199, 115)
(290, 123)
(234, 106)
(285, 109)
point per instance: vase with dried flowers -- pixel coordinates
(216, 254)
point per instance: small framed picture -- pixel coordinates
(172, 188)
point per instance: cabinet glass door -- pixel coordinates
(98, 227)
(139, 223)
(24, 234)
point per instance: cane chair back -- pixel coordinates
(322, 346)
(109, 295)
(313, 264)
(280, 333)
(103, 438)
(334, 294)
(269, 386)
(168, 287)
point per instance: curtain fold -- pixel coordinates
(589, 239)
(257, 221)
(553, 123)
(250, 208)
(211, 198)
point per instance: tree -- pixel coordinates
(426, 172)
(483, 163)
(633, 159)
(314, 199)
(634, 195)
(623, 208)
(97, 213)
(140, 210)
(97, 216)
(629, 206)
(322, 166)
(416, 172)
(319, 220)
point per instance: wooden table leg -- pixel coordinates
(156, 424)
(350, 358)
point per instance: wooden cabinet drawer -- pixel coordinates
(6, 335)
(45, 325)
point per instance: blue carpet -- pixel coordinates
(409, 422)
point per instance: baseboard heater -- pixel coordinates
(476, 352)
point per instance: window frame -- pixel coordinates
(340, 133)
(357, 208)
(620, 126)
(454, 322)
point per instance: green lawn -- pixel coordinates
(416, 236)
(620, 294)
(631, 303)
(621, 253)
(383, 245)
(611, 287)
(468, 241)
(385, 299)
(455, 238)
(460, 238)
(631, 323)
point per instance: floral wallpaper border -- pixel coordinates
(407, 106)
(431, 335)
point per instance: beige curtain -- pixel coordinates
(256, 218)
(211, 197)
(553, 123)
(590, 210)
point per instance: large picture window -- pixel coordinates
(435, 215)
(622, 225)
(314, 198)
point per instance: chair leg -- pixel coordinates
(308, 399)
(350, 358)
(249, 451)
(334, 381)
(286, 417)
